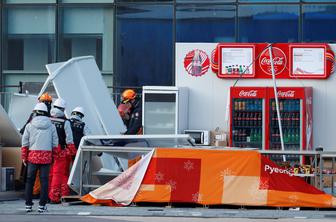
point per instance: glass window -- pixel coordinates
(29, 1)
(319, 23)
(277, 1)
(141, 1)
(29, 40)
(88, 31)
(87, 1)
(268, 23)
(144, 44)
(205, 23)
(204, 1)
(319, 0)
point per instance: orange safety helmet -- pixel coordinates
(128, 94)
(45, 97)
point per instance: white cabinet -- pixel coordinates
(165, 109)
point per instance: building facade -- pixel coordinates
(133, 41)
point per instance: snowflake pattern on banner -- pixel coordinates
(264, 183)
(159, 177)
(224, 173)
(197, 197)
(188, 165)
(293, 198)
(172, 185)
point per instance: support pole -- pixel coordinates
(276, 101)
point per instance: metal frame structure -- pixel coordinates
(117, 146)
(323, 156)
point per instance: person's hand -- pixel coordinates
(24, 162)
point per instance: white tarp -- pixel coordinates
(9, 135)
(79, 82)
(20, 108)
(123, 188)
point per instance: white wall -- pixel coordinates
(208, 96)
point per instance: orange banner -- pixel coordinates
(211, 177)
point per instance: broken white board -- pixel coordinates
(20, 108)
(9, 135)
(80, 83)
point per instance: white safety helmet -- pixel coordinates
(78, 110)
(60, 103)
(41, 109)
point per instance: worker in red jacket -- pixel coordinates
(39, 144)
(59, 172)
(47, 100)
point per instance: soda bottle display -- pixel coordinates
(258, 114)
(243, 119)
(259, 119)
(238, 119)
(236, 105)
(229, 70)
(290, 122)
(247, 123)
(273, 105)
(243, 105)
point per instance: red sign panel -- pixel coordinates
(250, 92)
(235, 60)
(288, 92)
(279, 61)
(290, 60)
(308, 61)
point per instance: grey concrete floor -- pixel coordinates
(16, 208)
(55, 218)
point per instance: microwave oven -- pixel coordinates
(201, 137)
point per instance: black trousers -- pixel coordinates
(44, 179)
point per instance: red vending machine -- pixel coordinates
(254, 121)
(296, 113)
(247, 116)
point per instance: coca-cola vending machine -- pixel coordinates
(247, 116)
(254, 121)
(295, 105)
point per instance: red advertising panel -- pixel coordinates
(290, 60)
(280, 60)
(308, 61)
(236, 59)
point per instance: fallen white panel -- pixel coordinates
(9, 135)
(79, 82)
(20, 108)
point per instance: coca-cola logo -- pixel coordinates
(250, 93)
(279, 61)
(289, 93)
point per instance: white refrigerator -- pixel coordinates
(165, 109)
